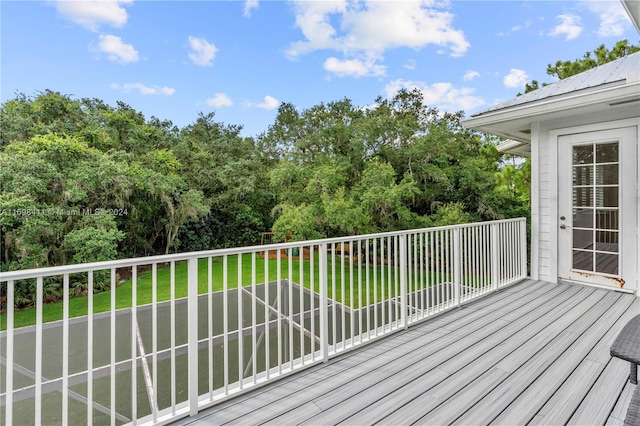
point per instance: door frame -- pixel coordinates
(553, 223)
(626, 207)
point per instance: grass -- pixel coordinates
(78, 306)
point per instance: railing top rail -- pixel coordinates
(177, 257)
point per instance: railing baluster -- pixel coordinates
(342, 299)
(324, 314)
(290, 310)
(90, 349)
(134, 345)
(383, 312)
(437, 286)
(392, 297)
(422, 290)
(495, 255)
(301, 301)
(172, 283)
(312, 293)
(351, 301)
(334, 308)
(240, 325)
(403, 281)
(366, 285)
(279, 310)
(225, 323)
(396, 281)
(112, 321)
(416, 273)
(192, 323)
(267, 315)
(457, 263)
(65, 348)
(360, 310)
(523, 248)
(449, 262)
(375, 287)
(154, 338)
(409, 278)
(8, 414)
(254, 346)
(210, 322)
(39, 347)
(430, 272)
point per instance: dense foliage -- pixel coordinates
(81, 181)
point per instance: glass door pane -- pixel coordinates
(596, 205)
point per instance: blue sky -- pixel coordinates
(174, 59)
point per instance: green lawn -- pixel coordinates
(78, 306)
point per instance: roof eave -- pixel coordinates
(633, 10)
(492, 122)
(519, 148)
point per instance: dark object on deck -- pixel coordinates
(633, 412)
(627, 347)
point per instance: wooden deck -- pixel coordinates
(534, 353)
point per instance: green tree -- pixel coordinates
(229, 171)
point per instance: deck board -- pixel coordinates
(533, 352)
(417, 369)
(535, 396)
(620, 409)
(411, 343)
(468, 364)
(529, 361)
(599, 402)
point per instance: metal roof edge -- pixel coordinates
(551, 105)
(634, 14)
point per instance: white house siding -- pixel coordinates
(545, 156)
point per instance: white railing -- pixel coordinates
(209, 325)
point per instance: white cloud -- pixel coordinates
(116, 49)
(570, 27)
(219, 100)
(444, 96)
(613, 17)
(515, 78)
(91, 14)
(249, 5)
(526, 25)
(353, 67)
(470, 75)
(202, 52)
(269, 103)
(144, 90)
(363, 30)
(410, 64)
(313, 20)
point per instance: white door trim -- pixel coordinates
(553, 222)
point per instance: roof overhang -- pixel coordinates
(514, 123)
(633, 10)
(510, 146)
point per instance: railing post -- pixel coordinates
(495, 276)
(192, 342)
(9, 366)
(403, 281)
(457, 264)
(324, 308)
(523, 248)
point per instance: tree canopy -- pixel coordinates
(83, 181)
